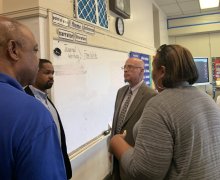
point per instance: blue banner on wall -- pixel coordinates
(146, 59)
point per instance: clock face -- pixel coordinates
(119, 26)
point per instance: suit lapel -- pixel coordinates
(27, 89)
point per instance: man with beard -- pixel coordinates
(44, 81)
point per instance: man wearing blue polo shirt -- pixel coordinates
(29, 145)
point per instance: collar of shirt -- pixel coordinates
(40, 95)
(135, 88)
(9, 80)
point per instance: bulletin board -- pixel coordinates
(215, 75)
(216, 69)
(86, 82)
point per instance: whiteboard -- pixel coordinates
(86, 81)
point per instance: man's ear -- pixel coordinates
(12, 48)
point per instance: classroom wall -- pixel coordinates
(186, 25)
(138, 36)
(164, 38)
(40, 28)
(201, 35)
(1, 6)
(93, 163)
(141, 21)
(12, 5)
(63, 7)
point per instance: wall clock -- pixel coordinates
(119, 25)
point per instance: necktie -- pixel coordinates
(123, 112)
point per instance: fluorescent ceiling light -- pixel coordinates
(204, 4)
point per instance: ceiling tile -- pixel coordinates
(211, 10)
(186, 0)
(189, 6)
(174, 14)
(164, 2)
(174, 8)
(171, 8)
(191, 12)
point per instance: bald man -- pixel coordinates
(29, 144)
(140, 93)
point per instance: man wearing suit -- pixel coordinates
(44, 81)
(140, 94)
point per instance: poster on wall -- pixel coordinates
(216, 70)
(146, 59)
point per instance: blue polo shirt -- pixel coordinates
(29, 145)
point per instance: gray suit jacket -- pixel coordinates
(133, 115)
(134, 112)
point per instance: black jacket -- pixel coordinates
(63, 138)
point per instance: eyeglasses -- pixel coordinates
(130, 67)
